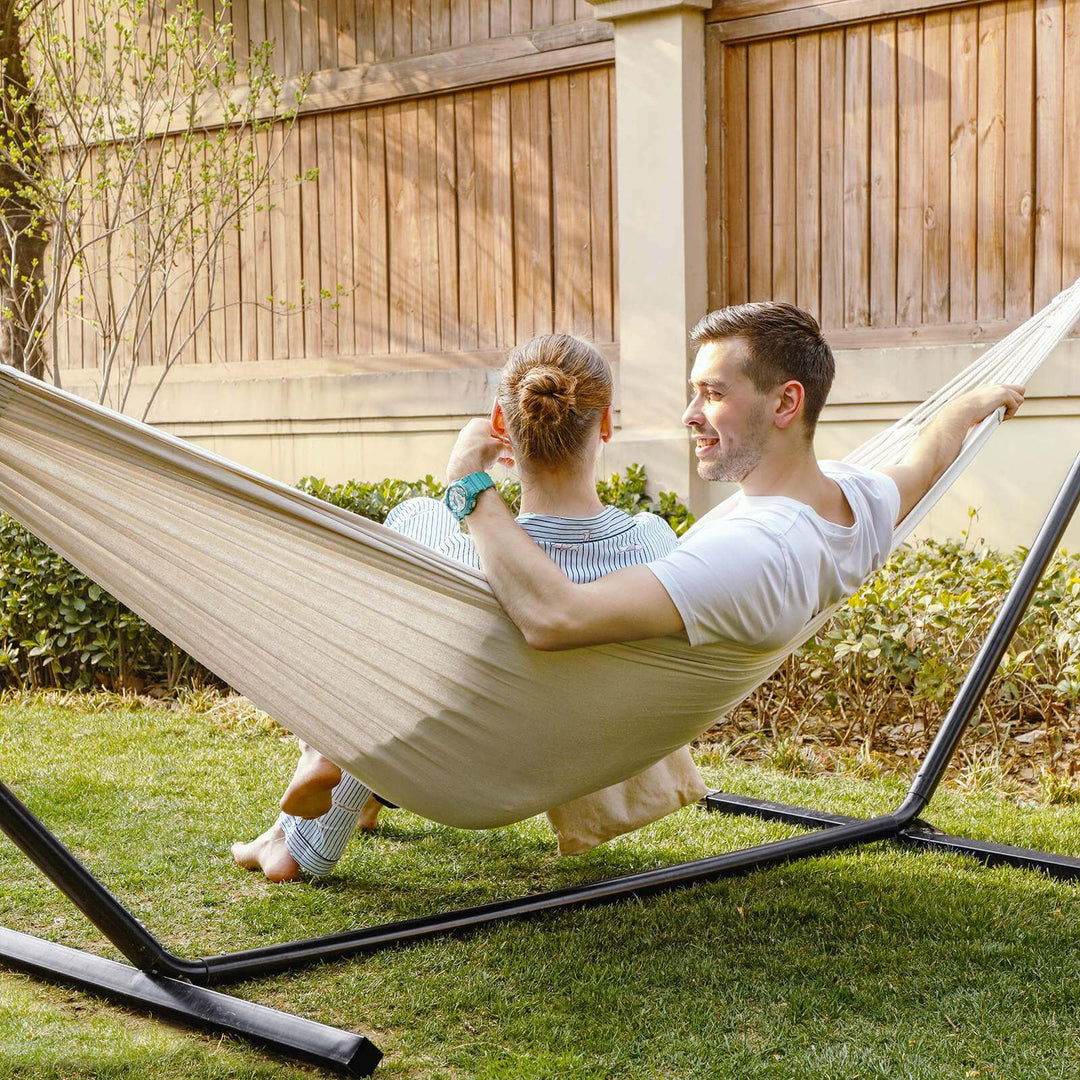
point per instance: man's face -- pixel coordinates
(727, 415)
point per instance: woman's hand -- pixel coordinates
(476, 450)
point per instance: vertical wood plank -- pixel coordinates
(580, 204)
(479, 20)
(306, 128)
(808, 173)
(562, 196)
(1019, 157)
(520, 16)
(293, 58)
(274, 28)
(264, 276)
(909, 98)
(736, 193)
(503, 215)
(421, 27)
(429, 225)
(563, 11)
(784, 164)
(1049, 131)
(832, 178)
(309, 35)
(487, 337)
(613, 129)
(446, 199)
(293, 202)
(363, 257)
(500, 17)
(403, 20)
(542, 13)
(540, 205)
(716, 163)
(857, 177)
(249, 273)
(411, 284)
(346, 33)
(203, 275)
(467, 226)
(328, 284)
(344, 221)
(365, 32)
(459, 22)
(990, 254)
(383, 26)
(963, 223)
(440, 24)
(395, 229)
(326, 20)
(759, 78)
(1071, 210)
(883, 173)
(521, 176)
(378, 230)
(937, 156)
(600, 207)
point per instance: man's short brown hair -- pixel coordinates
(782, 342)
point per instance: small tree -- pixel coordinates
(137, 142)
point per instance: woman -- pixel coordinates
(553, 412)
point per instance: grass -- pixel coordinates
(876, 963)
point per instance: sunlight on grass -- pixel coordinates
(875, 963)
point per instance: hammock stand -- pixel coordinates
(167, 985)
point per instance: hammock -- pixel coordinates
(393, 661)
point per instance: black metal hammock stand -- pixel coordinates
(167, 985)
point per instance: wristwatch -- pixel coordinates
(461, 494)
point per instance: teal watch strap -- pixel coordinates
(461, 494)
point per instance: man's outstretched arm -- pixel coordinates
(550, 610)
(942, 439)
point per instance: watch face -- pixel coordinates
(456, 498)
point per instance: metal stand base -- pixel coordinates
(305, 1040)
(920, 834)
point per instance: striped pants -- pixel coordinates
(317, 843)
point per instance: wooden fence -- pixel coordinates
(444, 225)
(911, 177)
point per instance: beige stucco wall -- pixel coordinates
(291, 422)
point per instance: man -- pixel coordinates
(799, 537)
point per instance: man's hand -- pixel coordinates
(942, 439)
(974, 407)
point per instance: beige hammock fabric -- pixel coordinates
(394, 661)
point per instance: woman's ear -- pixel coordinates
(607, 423)
(498, 423)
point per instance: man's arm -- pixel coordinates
(941, 440)
(550, 610)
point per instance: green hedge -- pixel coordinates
(58, 629)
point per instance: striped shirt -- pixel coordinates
(583, 548)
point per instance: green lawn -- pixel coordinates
(878, 963)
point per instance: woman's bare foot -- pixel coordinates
(309, 794)
(368, 820)
(269, 854)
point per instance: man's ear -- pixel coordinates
(789, 403)
(498, 422)
(607, 423)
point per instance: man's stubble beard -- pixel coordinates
(736, 464)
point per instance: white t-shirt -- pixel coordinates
(757, 569)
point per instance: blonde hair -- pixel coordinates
(552, 392)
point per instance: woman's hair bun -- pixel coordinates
(546, 394)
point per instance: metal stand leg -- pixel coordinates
(159, 985)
